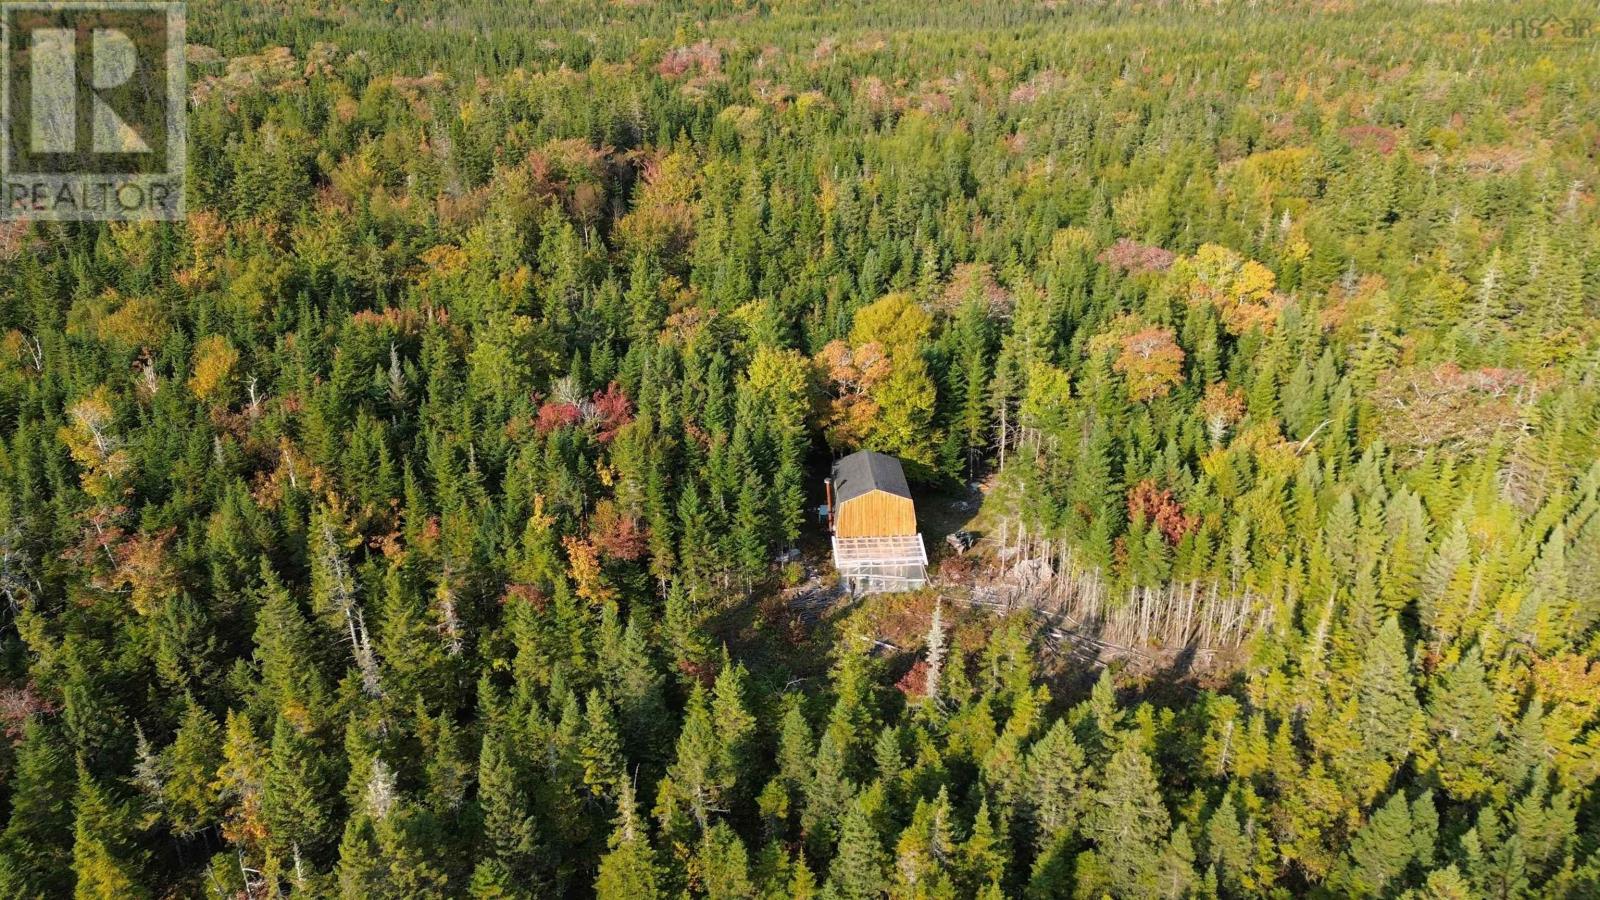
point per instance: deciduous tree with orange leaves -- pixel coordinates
(1151, 362)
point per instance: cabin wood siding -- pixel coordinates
(875, 514)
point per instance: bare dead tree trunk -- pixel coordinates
(342, 593)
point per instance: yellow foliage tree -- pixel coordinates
(883, 394)
(584, 565)
(239, 781)
(894, 321)
(1148, 357)
(853, 374)
(662, 219)
(214, 362)
(1044, 405)
(95, 446)
(1221, 408)
(1243, 291)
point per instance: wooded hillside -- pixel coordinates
(405, 523)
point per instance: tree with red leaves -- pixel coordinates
(612, 410)
(1135, 258)
(617, 535)
(1161, 510)
(555, 415)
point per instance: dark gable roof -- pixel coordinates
(863, 472)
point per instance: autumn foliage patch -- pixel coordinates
(1159, 508)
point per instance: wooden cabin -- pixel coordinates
(871, 497)
(876, 545)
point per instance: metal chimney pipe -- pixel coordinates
(827, 485)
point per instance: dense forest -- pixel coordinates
(419, 517)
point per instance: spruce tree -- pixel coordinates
(924, 851)
(294, 801)
(724, 865)
(982, 859)
(1379, 852)
(736, 730)
(1229, 849)
(106, 856)
(1463, 724)
(697, 772)
(35, 848)
(1390, 716)
(860, 869)
(601, 748)
(1055, 799)
(827, 794)
(628, 870)
(1128, 822)
(189, 791)
(509, 831)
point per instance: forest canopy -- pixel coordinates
(430, 513)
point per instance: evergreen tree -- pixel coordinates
(735, 729)
(724, 864)
(1462, 723)
(1055, 799)
(34, 848)
(859, 868)
(106, 856)
(1390, 714)
(1380, 851)
(925, 846)
(293, 794)
(190, 765)
(628, 870)
(698, 773)
(508, 826)
(1128, 823)
(602, 749)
